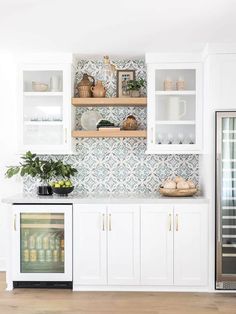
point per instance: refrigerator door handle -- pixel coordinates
(219, 179)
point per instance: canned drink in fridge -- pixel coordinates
(52, 242)
(48, 256)
(55, 256)
(62, 243)
(32, 242)
(39, 242)
(33, 256)
(62, 256)
(41, 256)
(26, 255)
(25, 239)
(46, 242)
(57, 242)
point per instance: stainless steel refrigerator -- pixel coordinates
(226, 200)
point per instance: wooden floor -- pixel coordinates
(32, 301)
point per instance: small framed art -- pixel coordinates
(123, 76)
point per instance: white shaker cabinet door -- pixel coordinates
(123, 244)
(157, 245)
(90, 263)
(190, 245)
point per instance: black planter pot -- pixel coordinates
(45, 190)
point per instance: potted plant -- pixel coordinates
(134, 87)
(44, 170)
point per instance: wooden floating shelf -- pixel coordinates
(113, 101)
(137, 133)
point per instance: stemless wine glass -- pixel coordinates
(170, 138)
(180, 138)
(159, 138)
(191, 138)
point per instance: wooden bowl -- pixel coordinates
(177, 192)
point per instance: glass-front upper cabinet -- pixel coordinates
(42, 243)
(174, 108)
(44, 108)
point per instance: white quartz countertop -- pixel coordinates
(102, 199)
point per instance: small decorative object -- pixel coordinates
(98, 90)
(39, 87)
(105, 124)
(130, 123)
(89, 120)
(108, 70)
(168, 84)
(178, 187)
(55, 83)
(44, 170)
(83, 88)
(123, 76)
(180, 84)
(169, 184)
(134, 86)
(62, 187)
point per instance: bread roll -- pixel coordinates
(182, 185)
(169, 184)
(178, 179)
(191, 184)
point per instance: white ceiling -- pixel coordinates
(127, 27)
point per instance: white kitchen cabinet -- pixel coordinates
(190, 245)
(157, 245)
(44, 116)
(123, 245)
(106, 244)
(90, 245)
(174, 116)
(174, 241)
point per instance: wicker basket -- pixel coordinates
(177, 192)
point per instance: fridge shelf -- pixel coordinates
(42, 216)
(42, 226)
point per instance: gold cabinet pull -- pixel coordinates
(15, 222)
(103, 222)
(109, 222)
(170, 225)
(177, 222)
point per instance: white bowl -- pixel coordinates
(39, 87)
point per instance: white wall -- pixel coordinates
(8, 142)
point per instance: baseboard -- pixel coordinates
(2, 264)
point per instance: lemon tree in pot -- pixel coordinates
(134, 87)
(43, 170)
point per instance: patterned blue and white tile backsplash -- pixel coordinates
(116, 165)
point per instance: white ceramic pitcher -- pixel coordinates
(176, 108)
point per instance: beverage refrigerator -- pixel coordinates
(42, 245)
(226, 200)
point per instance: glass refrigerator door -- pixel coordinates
(42, 242)
(226, 197)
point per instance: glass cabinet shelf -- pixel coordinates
(176, 92)
(37, 94)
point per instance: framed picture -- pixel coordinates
(123, 76)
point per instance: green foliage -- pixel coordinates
(45, 170)
(135, 84)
